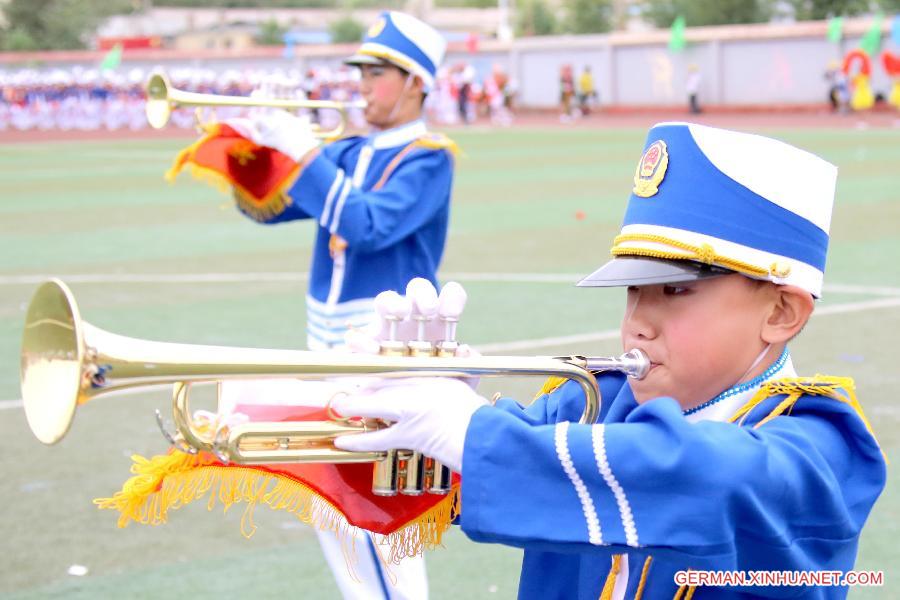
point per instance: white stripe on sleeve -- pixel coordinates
(329, 199)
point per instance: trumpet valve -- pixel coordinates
(437, 477)
(386, 475)
(392, 308)
(452, 302)
(424, 310)
(413, 475)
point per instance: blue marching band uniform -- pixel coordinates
(382, 204)
(777, 473)
(382, 201)
(650, 491)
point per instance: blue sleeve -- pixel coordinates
(792, 494)
(417, 189)
(566, 403)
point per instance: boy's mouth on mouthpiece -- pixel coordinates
(653, 363)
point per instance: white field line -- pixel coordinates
(838, 288)
(609, 334)
(7, 404)
(875, 290)
(270, 276)
(156, 278)
(860, 306)
(571, 278)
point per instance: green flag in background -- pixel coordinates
(676, 37)
(835, 29)
(112, 58)
(871, 41)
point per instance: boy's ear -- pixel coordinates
(790, 310)
(417, 84)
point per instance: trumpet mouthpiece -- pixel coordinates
(635, 364)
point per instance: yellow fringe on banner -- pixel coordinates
(185, 155)
(271, 206)
(167, 482)
(268, 210)
(425, 531)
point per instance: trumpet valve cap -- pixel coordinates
(452, 301)
(423, 297)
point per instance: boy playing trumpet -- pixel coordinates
(382, 204)
(721, 458)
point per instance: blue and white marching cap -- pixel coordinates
(709, 201)
(405, 41)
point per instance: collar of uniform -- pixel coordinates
(398, 136)
(728, 402)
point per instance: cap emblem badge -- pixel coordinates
(651, 170)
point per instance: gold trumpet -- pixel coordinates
(162, 99)
(66, 362)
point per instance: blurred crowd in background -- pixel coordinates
(89, 99)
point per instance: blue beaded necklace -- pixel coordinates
(738, 389)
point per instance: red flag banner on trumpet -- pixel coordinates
(333, 497)
(259, 175)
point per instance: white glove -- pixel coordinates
(432, 415)
(243, 126)
(278, 129)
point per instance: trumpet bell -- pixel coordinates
(158, 108)
(52, 357)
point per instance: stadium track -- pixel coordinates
(808, 117)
